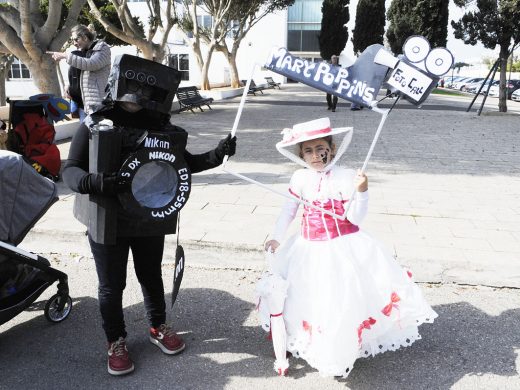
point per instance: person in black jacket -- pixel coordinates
(140, 94)
(332, 100)
(73, 90)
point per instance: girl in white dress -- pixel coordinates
(336, 291)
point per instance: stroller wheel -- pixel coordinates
(51, 308)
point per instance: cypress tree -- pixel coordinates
(433, 16)
(403, 22)
(333, 34)
(370, 24)
(428, 18)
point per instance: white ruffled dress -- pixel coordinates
(347, 297)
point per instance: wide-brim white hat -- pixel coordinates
(306, 131)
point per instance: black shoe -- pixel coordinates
(329, 108)
(333, 110)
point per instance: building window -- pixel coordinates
(205, 21)
(181, 62)
(303, 26)
(18, 71)
(233, 28)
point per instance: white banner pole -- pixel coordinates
(384, 115)
(286, 195)
(240, 108)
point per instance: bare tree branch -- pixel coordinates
(26, 30)
(12, 17)
(121, 34)
(154, 8)
(129, 34)
(36, 16)
(128, 25)
(72, 19)
(120, 13)
(130, 20)
(11, 42)
(171, 20)
(45, 34)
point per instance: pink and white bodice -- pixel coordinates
(330, 191)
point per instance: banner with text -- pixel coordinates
(359, 83)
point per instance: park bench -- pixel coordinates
(271, 83)
(253, 88)
(189, 98)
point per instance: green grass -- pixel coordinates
(439, 91)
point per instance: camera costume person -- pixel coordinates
(134, 169)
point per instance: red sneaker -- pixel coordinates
(119, 362)
(166, 339)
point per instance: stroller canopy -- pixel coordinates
(25, 196)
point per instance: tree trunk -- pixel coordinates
(5, 63)
(3, 75)
(204, 81)
(231, 58)
(502, 91)
(152, 52)
(235, 78)
(45, 76)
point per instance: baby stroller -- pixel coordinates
(31, 131)
(25, 196)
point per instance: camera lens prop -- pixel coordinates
(416, 48)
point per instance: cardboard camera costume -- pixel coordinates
(147, 164)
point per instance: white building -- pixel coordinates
(295, 28)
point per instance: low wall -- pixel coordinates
(222, 93)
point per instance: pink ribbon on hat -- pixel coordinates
(289, 135)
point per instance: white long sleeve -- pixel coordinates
(287, 215)
(359, 208)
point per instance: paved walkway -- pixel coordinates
(444, 185)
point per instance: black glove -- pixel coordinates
(114, 184)
(227, 146)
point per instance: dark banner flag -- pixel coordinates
(414, 74)
(358, 83)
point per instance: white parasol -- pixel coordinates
(272, 289)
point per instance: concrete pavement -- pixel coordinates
(474, 344)
(444, 188)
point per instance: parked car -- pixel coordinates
(449, 81)
(516, 95)
(461, 85)
(511, 86)
(474, 87)
(456, 82)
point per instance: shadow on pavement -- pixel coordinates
(463, 341)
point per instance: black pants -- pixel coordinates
(332, 101)
(111, 263)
